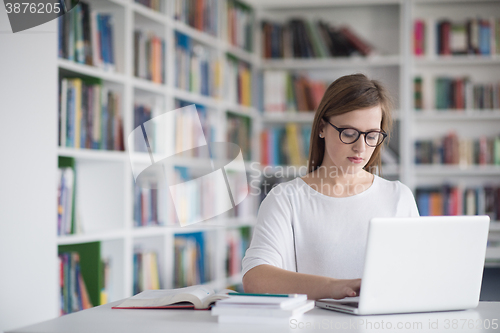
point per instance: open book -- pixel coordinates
(197, 297)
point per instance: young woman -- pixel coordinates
(311, 231)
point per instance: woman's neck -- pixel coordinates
(335, 176)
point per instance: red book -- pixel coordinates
(362, 46)
(419, 37)
(445, 38)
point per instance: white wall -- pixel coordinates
(28, 164)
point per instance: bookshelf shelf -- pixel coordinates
(94, 154)
(148, 231)
(455, 170)
(457, 60)
(199, 36)
(91, 237)
(196, 98)
(241, 110)
(296, 117)
(76, 68)
(239, 53)
(340, 62)
(149, 86)
(151, 14)
(458, 115)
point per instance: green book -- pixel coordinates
(90, 266)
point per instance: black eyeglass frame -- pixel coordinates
(340, 130)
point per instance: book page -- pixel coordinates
(155, 298)
(221, 294)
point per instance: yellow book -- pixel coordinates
(293, 145)
(246, 87)
(77, 83)
(155, 281)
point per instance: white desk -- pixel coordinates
(104, 319)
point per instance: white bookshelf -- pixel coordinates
(387, 24)
(105, 179)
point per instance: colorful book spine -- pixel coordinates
(462, 93)
(285, 146)
(199, 14)
(81, 276)
(459, 200)
(454, 150)
(87, 37)
(149, 205)
(197, 68)
(239, 129)
(285, 91)
(149, 56)
(298, 38)
(237, 242)
(191, 264)
(146, 273)
(186, 130)
(240, 20)
(239, 81)
(472, 36)
(90, 115)
(156, 5)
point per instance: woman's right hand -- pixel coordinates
(341, 288)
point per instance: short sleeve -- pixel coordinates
(408, 203)
(272, 239)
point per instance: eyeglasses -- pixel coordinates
(351, 135)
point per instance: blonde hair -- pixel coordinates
(349, 93)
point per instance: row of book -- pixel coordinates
(86, 37)
(149, 56)
(472, 36)
(197, 67)
(84, 276)
(459, 200)
(299, 38)
(285, 91)
(237, 242)
(451, 149)
(150, 205)
(156, 5)
(73, 291)
(146, 272)
(199, 14)
(287, 145)
(191, 260)
(90, 115)
(186, 131)
(240, 20)
(461, 93)
(66, 190)
(238, 81)
(457, 94)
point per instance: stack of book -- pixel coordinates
(261, 308)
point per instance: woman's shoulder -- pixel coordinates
(289, 187)
(394, 186)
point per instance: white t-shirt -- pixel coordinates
(330, 233)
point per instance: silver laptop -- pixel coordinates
(419, 264)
